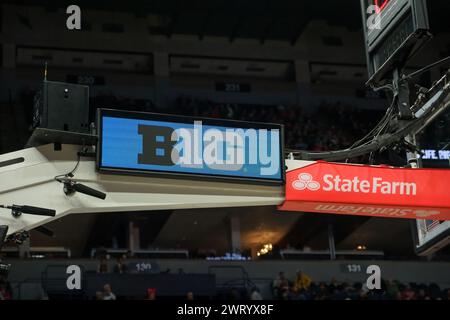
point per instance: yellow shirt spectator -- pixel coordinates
(302, 282)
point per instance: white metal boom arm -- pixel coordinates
(27, 178)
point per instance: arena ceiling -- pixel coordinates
(256, 19)
(264, 20)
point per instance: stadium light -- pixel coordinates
(18, 210)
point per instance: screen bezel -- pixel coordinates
(391, 19)
(188, 120)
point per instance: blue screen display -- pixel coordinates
(194, 147)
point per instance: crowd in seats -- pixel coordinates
(329, 127)
(437, 135)
(303, 288)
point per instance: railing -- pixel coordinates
(129, 285)
(35, 292)
(38, 252)
(161, 254)
(112, 252)
(241, 281)
(146, 254)
(326, 254)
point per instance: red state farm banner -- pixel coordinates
(369, 191)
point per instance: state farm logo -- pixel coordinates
(376, 210)
(305, 181)
(332, 183)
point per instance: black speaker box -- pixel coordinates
(62, 106)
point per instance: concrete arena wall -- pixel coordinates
(263, 271)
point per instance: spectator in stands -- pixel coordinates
(151, 294)
(280, 285)
(5, 290)
(120, 266)
(102, 266)
(435, 291)
(235, 294)
(359, 292)
(99, 295)
(255, 295)
(302, 282)
(392, 290)
(408, 294)
(323, 292)
(422, 294)
(190, 296)
(339, 293)
(107, 293)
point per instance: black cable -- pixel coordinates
(379, 124)
(387, 86)
(425, 69)
(71, 186)
(382, 130)
(71, 173)
(377, 144)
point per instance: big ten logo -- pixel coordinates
(374, 280)
(158, 146)
(74, 278)
(230, 149)
(73, 21)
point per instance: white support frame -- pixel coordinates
(32, 183)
